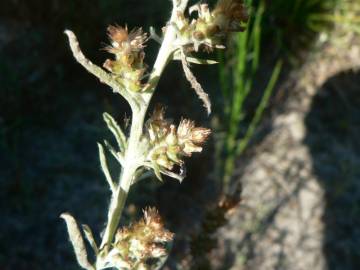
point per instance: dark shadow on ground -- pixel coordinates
(333, 133)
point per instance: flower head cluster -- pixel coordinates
(210, 27)
(230, 15)
(128, 48)
(170, 143)
(134, 246)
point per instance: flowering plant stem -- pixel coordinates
(156, 144)
(131, 160)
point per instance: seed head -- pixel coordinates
(170, 144)
(128, 66)
(123, 42)
(191, 137)
(230, 14)
(136, 244)
(210, 28)
(158, 126)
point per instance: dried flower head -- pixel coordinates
(230, 15)
(138, 243)
(123, 42)
(191, 137)
(158, 125)
(210, 27)
(169, 144)
(128, 48)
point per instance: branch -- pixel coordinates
(131, 154)
(101, 74)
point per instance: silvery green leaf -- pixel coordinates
(179, 177)
(116, 131)
(157, 171)
(77, 241)
(141, 174)
(200, 61)
(200, 92)
(118, 156)
(195, 60)
(155, 36)
(90, 237)
(105, 168)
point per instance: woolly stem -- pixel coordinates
(132, 159)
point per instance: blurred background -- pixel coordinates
(278, 185)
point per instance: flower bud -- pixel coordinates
(171, 138)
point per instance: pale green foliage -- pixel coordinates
(77, 241)
(116, 130)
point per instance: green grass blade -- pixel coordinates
(260, 109)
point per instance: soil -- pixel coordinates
(301, 183)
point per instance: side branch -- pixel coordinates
(97, 71)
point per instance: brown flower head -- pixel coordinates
(210, 28)
(158, 126)
(155, 227)
(190, 137)
(123, 42)
(170, 144)
(230, 15)
(128, 48)
(138, 243)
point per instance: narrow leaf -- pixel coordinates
(116, 155)
(103, 76)
(195, 84)
(155, 36)
(90, 237)
(197, 61)
(194, 60)
(116, 131)
(157, 171)
(77, 241)
(105, 168)
(179, 176)
(200, 61)
(141, 174)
